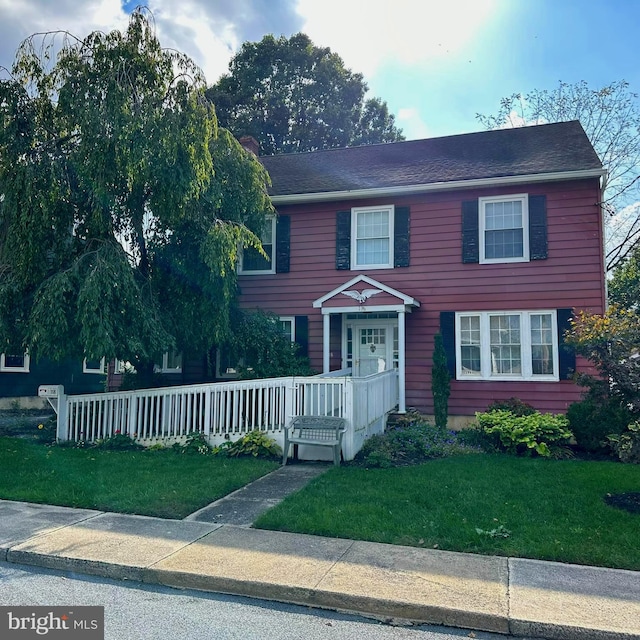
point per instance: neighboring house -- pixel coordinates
(20, 377)
(490, 238)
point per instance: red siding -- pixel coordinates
(571, 276)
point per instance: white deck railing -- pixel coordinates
(228, 410)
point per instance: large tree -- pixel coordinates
(610, 116)
(292, 96)
(122, 203)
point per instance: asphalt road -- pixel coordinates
(146, 612)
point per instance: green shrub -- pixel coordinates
(593, 419)
(195, 443)
(540, 433)
(117, 442)
(627, 445)
(440, 383)
(514, 405)
(410, 443)
(256, 444)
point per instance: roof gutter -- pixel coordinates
(325, 196)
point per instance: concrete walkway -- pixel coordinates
(506, 595)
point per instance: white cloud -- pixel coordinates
(368, 33)
(409, 119)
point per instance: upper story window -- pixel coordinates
(504, 229)
(251, 261)
(14, 363)
(509, 345)
(372, 237)
(93, 366)
(499, 229)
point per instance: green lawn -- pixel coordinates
(155, 483)
(547, 509)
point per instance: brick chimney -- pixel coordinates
(250, 144)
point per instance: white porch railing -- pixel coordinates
(228, 410)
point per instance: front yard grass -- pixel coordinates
(486, 504)
(154, 483)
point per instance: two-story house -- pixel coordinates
(490, 238)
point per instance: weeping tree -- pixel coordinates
(123, 204)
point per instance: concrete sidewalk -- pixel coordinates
(520, 597)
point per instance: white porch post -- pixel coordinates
(401, 363)
(326, 335)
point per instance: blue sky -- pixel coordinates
(436, 64)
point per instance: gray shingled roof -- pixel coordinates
(548, 148)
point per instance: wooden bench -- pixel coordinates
(324, 431)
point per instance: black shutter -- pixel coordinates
(470, 232)
(401, 237)
(448, 332)
(566, 353)
(283, 234)
(302, 334)
(343, 240)
(537, 227)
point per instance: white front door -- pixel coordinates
(373, 348)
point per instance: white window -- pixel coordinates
(14, 363)
(171, 362)
(504, 229)
(288, 326)
(251, 262)
(372, 237)
(507, 345)
(93, 366)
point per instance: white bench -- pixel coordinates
(323, 431)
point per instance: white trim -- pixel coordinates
(382, 308)
(272, 263)
(8, 369)
(482, 202)
(406, 300)
(355, 211)
(296, 198)
(525, 346)
(100, 371)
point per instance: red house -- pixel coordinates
(491, 239)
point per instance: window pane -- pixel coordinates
(373, 251)
(503, 230)
(470, 344)
(542, 344)
(252, 260)
(506, 356)
(503, 244)
(174, 360)
(372, 237)
(286, 326)
(14, 362)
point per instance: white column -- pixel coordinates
(401, 363)
(326, 336)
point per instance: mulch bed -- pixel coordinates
(628, 501)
